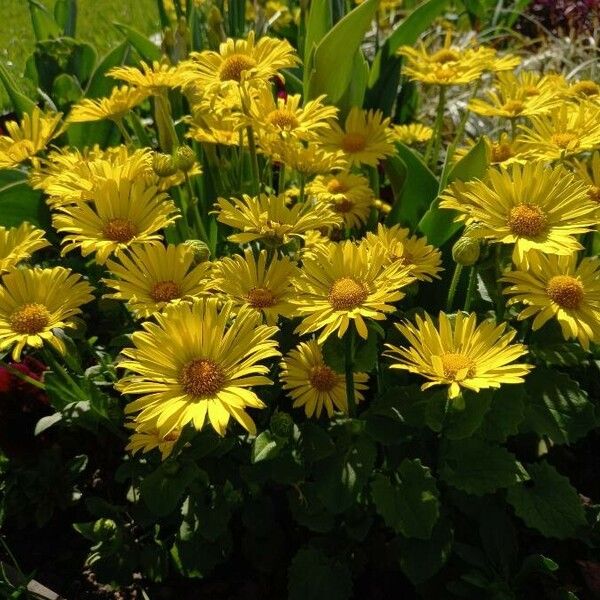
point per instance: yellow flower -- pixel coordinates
(121, 215)
(147, 438)
(270, 219)
(26, 139)
(583, 89)
(568, 130)
(589, 174)
(501, 152)
(412, 133)
(348, 195)
(153, 276)
(154, 78)
(37, 303)
(309, 159)
(196, 362)
(556, 287)
(347, 283)
(512, 99)
(531, 206)
(311, 383)
(285, 118)
(115, 107)
(459, 353)
(423, 260)
(251, 282)
(226, 129)
(240, 63)
(19, 243)
(313, 242)
(365, 140)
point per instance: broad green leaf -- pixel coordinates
(557, 407)
(366, 352)
(19, 202)
(65, 15)
(410, 505)
(505, 414)
(315, 442)
(548, 503)
(44, 24)
(313, 575)
(415, 195)
(333, 57)
(318, 23)
(460, 420)
(334, 353)
(264, 447)
(21, 103)
(146, 49)
(355, 92)
(473, 165)
(479, 468)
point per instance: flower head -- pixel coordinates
(19, 243)
(413, 133)
(153, 78)
(115, 107)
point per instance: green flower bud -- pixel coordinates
(104, 529)
(282, 425)
(184, 158)
(466, 251)
(200, 249)
(163, 165)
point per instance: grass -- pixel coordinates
(94, 25)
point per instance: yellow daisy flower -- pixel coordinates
(240, 63)
(19, 243)
(413, 133)
(146, 439)
(311, 383)
(556, 287)
(250, 282)
(589, 173)
(27, 138)
(583, 89)
(423, 259)
(365, 139)
(459, 353)
(34, 303)
(531, 206)
(270, 219)
(306, 159)
(285, 118)
(348, 195)
(196, 362)
(568, 130)
(313, 242)
(511, 99)
(154, 78)
(115, 107)
(152, 276)
(501, 152)
(120, 216)
(226, 129)
(347, 283)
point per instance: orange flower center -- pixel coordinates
(354, 142)
(233, 67)
(343, 206)
(347, 293)
(501, 152)
(323, 378)
(202, 377)
(445, 55)
(565, 139)
(283, 119)
(586, 88)
(453, 362)
(594, 193)
(527, 220)
(119, 230)
(259, 297)
(29, 319)
(165, 291)
(566, 291)
(514, 107)
(335, 186)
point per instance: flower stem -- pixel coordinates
(500, 297)
(453, 285)
(253, 161)
(433, 147)
(470, 287)
(195, 210)
(124, 132)
(301, 193)
(349, 360)
(22, 376)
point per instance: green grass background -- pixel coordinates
(94, 25)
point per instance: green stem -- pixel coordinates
(124, 132)
(253, 161)
(281, 179)
(433, 147)
(167, 136)
(500, 297)
(22, 376)
(513, 129)
(470, 287)
(349, 360)
(302, 182)
(453, 285)
(195, 209)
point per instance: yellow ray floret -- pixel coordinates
(115, 107)
(154, 78)
(19, 243)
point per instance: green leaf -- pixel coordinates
(479, 468)
(313, 575)
(460, 420)
(44, 24)
(473, 165)
(146, 49)
(355, 92)
(65, 15)
(19, 202)
(410, 505)
(366, 353)
(318, 23)
(264, 447)
(420, 559)
(418, 190)
(21, 103)
(333, 59)
(505, 414)
(557, 407)
(334, 353)
(548, 503)
(385, 70)
(315, 442)
(342, 477)
(163, 489)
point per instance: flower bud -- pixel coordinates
(104, 529)
(200, 250)
(282, 425)
(184, 158)
(163, 165)
(466, 251)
